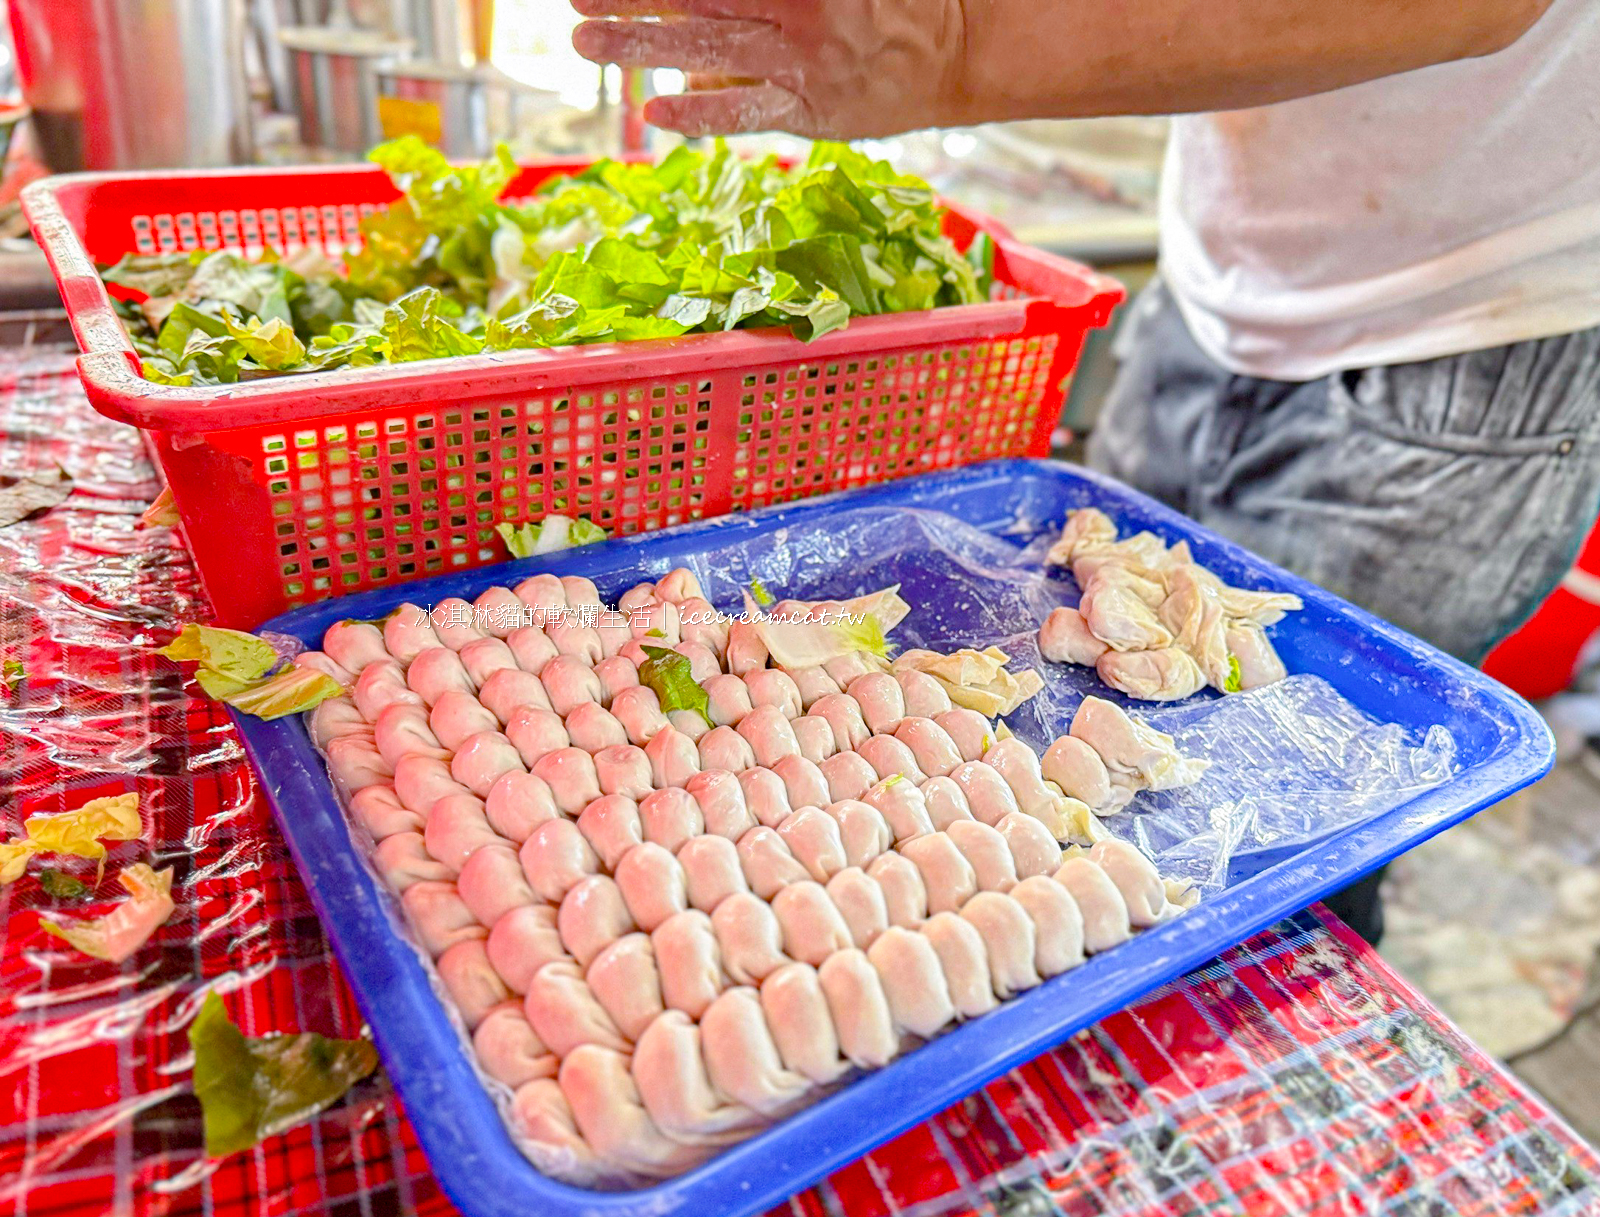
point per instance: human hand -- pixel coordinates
(835, 69)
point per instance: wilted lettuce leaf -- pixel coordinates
(62, 885)
(292, 691)
(12, 673)
(127, 927)
(229, 660)
(667, 674)
(702, 241)
(554, 532)
(250, 1088)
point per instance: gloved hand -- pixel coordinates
(839, 69)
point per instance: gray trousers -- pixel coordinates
(1449, 496)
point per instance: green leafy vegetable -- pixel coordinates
(667, 674)
(250, 1088)
(554, 532)
(701, 242)
(1235, 680)
(238, 668)
(62, 885)
(760, 594)
(292, 691)
(12, 673)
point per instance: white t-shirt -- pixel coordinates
(1440, 211)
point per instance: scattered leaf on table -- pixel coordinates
(250, 1088)
(229, 660)
(127, 927)
(668, 674)
(79, 832)
(62, 885)
(21, 497)
(12, 673)
(163, 513)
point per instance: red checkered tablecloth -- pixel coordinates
(1296, 1074)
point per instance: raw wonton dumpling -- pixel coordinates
(846, 668)
(491, 883)
(1008, 939)
(457, 828)
(580, 591)
(703, 661)
(765, 795)
(749, 938)
(354, 644)
(913, 981)
(657, 623)
(379, 810)
(815, 738)
(573, 636)
(455, 623)
(639, 711)
(1033, 850)
(1163, 674)
(1258, 661)
(652, 885)
(882, 701)
(968, 730)
(483, 658)
(767, 863)
(670, 817)
(803, 782)
(531, 649)
(947, 876)
(746, 652)
(439, 916)
(988, 796)
(509, 1049)
(688, 962)
(523, 941)
(814, 684)
(987, 852)
(769, 735)
(813, 838)
(639, 593)
(674, 759)
(339, 716)
(611, 825)
(812, 927)
(711, 871)
(725, 748)
(776, 688)
(571, 776)
(1136, 878)
(421, 781)
(1087, 529)
(841, 712)
(848, 776)
(1077, 768)
(1057, 924)
(624, 771)
(904, 894)
(1065, 638)
(965, 963)
(541, 1115)
(481, 759)
(669, 1069)
(457, 716)
(678, 585)
(741, 1058)
(568, 683)
(925, 696)
(499, 611)
(701, 624)
(382, 684)
(555, 858)
(1016, 763)
(863, 832)
(471, 981)
(606, 1106)
(624, 981)
(592, 727)
(403, 859)
(517, 804)
(1118, 617)
(593, 915)
(860, 1009)
(890, 758)
(860, 902)
(356, 763)
(1131, 748)
(511, 689)
(945, 802)
(536, 732)
(407, 632)
(935, 752)
(616, 674)
(797, 1015)
(1105, 914)
(728, 698)
(902, 806)
(720, 797)
(1193, 612)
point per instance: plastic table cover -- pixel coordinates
(1295, 1074)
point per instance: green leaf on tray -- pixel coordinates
(1235, 678)
(251, 1088)
(701, 242)
(62, 885)
(668, 675)
(554, 532)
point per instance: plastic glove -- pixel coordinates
(845, 69)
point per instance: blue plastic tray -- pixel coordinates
(1502, 745)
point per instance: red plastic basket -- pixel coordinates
(300, 488)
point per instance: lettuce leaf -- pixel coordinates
(12, 674)
(61, 885)
(230, 660)
(127, 927)
(292, 691)
(818, 631)
(667, 674)
(554, 532)
(162, 512)
(251, 1088)
(79, 832)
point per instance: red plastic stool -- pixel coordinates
(1541, 658)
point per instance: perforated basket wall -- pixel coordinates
(300, 488)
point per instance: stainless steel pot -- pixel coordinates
(336, 84)
(461, 111)
(135, 84)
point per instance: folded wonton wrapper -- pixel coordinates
(977, 680)
(127, 927)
